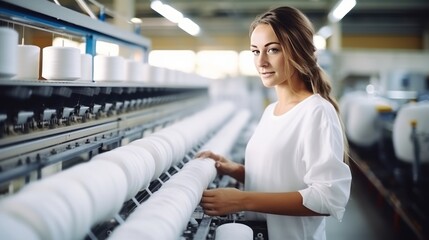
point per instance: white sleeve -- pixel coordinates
(328, 178)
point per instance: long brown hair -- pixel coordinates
(295, 33)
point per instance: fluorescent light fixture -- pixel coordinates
(325, 31)
(167, 11)
(156, 5)
(189, 26)
(175, 16)
(341, 9)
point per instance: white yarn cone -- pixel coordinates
(86, 67)
(109, 68)
(61, 63)
(234, 231)
(28, 62)
(8, 50)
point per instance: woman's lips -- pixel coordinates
(267, 74)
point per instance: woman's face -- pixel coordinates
(268, 56)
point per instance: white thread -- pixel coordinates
(61, 63)
(134, 71)
(234, 231)
(109, 68)
(86, 67)
(28, 62)
(8, 49)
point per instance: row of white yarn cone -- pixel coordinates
(66, 205)
(68, 63)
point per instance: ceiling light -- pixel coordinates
(341, 9)
(175, 16)
(167, 11)
(136, 20)
(189, 26)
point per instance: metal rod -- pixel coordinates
(416, 145)
(203, 229)
(82, 4)
(49, 30)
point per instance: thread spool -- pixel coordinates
(49, 218)
(86, 67)
(109, 68)
(20, 229)
(28, 61)
(134, 70)
(158, 74)
(8, 49)
(61, 63)
(154, 147)
(75, 196)
(146, 72)
(234, 231)
(106, 185)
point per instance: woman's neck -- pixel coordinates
(288, 98)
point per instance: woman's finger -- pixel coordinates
(210, 212)
(206, 200)
(204, 154)
(208, 205)
(210, 154)
(209, 193)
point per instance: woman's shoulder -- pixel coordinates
(319, 110)
(317, 102)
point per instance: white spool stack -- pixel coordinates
(163, 216)
(109, 68)
(28, 61)
(86, 67)
(158, 150)
(228, 134)
(137, 164)
(61, 63)
(8, 50)
(234, 231)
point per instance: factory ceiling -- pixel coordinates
(222, 17)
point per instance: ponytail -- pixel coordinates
(322, 86)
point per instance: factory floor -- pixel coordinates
(363, 218)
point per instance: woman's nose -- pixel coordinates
(261, 60)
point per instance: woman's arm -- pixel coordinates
(224, 201)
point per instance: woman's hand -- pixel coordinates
(222, 201)
(223, 165)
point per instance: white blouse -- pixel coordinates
(301, 150)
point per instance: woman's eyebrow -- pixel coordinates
(266, 45)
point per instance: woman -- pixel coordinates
(294, 171)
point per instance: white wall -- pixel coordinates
(376, 62)
(389, 68)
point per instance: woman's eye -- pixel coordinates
(255, 52)
(272, 50)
